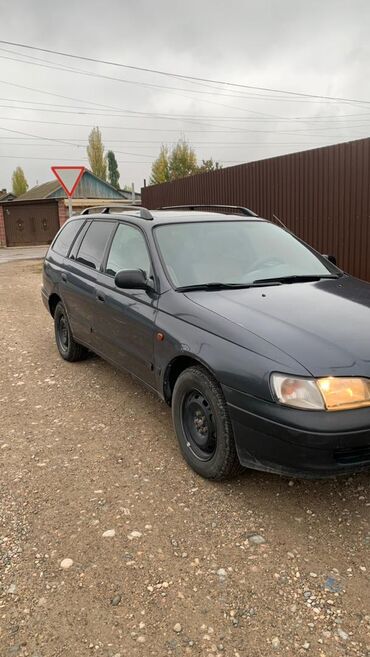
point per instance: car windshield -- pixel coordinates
(235, 252)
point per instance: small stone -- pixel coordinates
(275, 642)
(177, 628)
(66, 563)
(256, 539)
(12, 589)
(133, 535)
(342, 634)
(141, 639)
(332, 585)
(42, 602)
(222, 572)
(306, 645)
(116, 600)
(109, 533)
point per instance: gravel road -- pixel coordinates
(111, 546)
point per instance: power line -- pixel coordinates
(32, 142)
(176, 90)
(306, 132)
(49, 107)
(68, 143)
(184, 77)
(81, 100)
(18, 157)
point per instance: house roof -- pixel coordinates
(6, 196)
(47, 189)
(40, 191)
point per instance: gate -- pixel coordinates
(30, 223)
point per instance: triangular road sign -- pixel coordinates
(69, 177)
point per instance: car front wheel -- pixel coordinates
(68, 348)
(203, 426)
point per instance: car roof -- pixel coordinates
(172, 216)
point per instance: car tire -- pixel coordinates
(203, 425)
(68, 348)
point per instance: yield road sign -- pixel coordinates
(69, 177)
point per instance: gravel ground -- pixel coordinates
(111, 546)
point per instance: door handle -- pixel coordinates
(100, 297)
(64, 277)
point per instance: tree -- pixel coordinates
(160, 167)
(113, 173)
(19, 182)
(179, 163)
(95, 153)
(209, 165)
(182, 161)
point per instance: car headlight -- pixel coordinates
(330, 393)
(341, 393)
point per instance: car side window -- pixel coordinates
(67, 235)
(128, 251)
(93, 245)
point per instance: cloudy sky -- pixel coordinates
(49, 103)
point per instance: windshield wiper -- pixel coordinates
(298, 278)
(224, 286)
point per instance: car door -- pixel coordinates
(124, 320)
(80, 278)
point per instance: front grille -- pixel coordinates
(353, 454)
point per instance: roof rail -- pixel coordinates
(204, 206)
(108, 209)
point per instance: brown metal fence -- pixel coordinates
(322, 195)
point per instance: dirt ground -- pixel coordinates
(85, 449)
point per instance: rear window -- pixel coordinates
(67, 235)
(93, 245)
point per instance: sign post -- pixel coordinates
(69, 177)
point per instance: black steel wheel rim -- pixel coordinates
(199, 425)
(63, 332)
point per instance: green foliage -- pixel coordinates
(95, 153)
(113, 173)
(160, 168)
(209, 165)
(19, 182)
(182, 161)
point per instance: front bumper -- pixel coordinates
(275, 438)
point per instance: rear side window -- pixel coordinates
(66, 236)
(93, 245)
(128, 251)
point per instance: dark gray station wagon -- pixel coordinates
(260, 344)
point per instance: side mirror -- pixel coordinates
(331, 259)
(132, 279)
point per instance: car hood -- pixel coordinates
(325, 326)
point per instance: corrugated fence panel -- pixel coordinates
(322, 195)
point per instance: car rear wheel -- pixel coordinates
(203, 426)
(67, 347)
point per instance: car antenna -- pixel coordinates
(274, 216)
